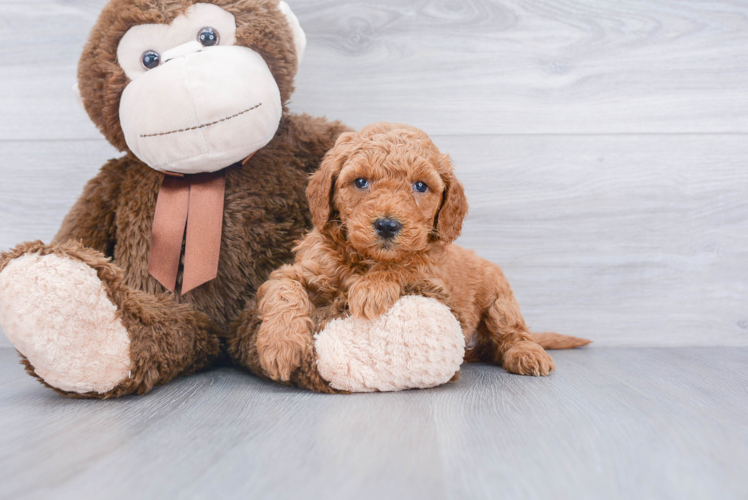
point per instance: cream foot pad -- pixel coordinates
(56, 312)
(416, 344)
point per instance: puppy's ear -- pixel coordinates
(449, 219)
(321, 186)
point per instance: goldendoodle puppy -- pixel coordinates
(387, 207)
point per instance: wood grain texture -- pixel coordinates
(40, 44)
(611, 423)
(452, 66)
(545, 66)
(40, 182)
(628, 240)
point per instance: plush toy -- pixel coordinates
(387, 207)
(154, 271)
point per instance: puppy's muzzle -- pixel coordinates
(387, 228)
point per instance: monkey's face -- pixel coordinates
(198, 96)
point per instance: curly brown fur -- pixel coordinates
(345, 256)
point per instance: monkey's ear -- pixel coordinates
(299, 37)
(321, 186)
(449, 219)
(78, 97)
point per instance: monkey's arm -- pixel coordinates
(312, 137)
(92, 218)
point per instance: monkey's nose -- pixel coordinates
(387, 228)
(181, 50)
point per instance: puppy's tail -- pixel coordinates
(549, 340)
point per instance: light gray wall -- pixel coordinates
(602, 143)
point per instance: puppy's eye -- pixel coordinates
(150, 59)
(421, 187)
(208, 37)
(361, 183)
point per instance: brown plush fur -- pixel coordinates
(344, 259)
(265, 209)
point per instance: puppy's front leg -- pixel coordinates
(286, 333)
(509, 341)
(372, 295)
(430, 287)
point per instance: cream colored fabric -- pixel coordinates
(416, 344)
(208, 107)
(181, 51)
(202, 111)
(299, 37)
(163, 37)
(57, 313)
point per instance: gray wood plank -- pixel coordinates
(40, 44)
(628, 240)
(611, 423)
(546, 66)
(455, 67)
(40, 182)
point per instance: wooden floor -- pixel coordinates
(611, 423)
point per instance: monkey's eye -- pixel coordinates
(208, 37)
(361, 183)
(421, 187)
(150, 59)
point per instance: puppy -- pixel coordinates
(386, 208)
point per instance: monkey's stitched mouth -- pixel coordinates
(203, 125)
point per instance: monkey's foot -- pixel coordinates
(416, 344)
(58, 314)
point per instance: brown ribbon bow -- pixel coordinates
(197, 202)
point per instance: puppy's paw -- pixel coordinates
(429, 287)
(528, 358)
(282, 347)
(369, 299)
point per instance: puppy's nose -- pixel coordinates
(387, 228)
